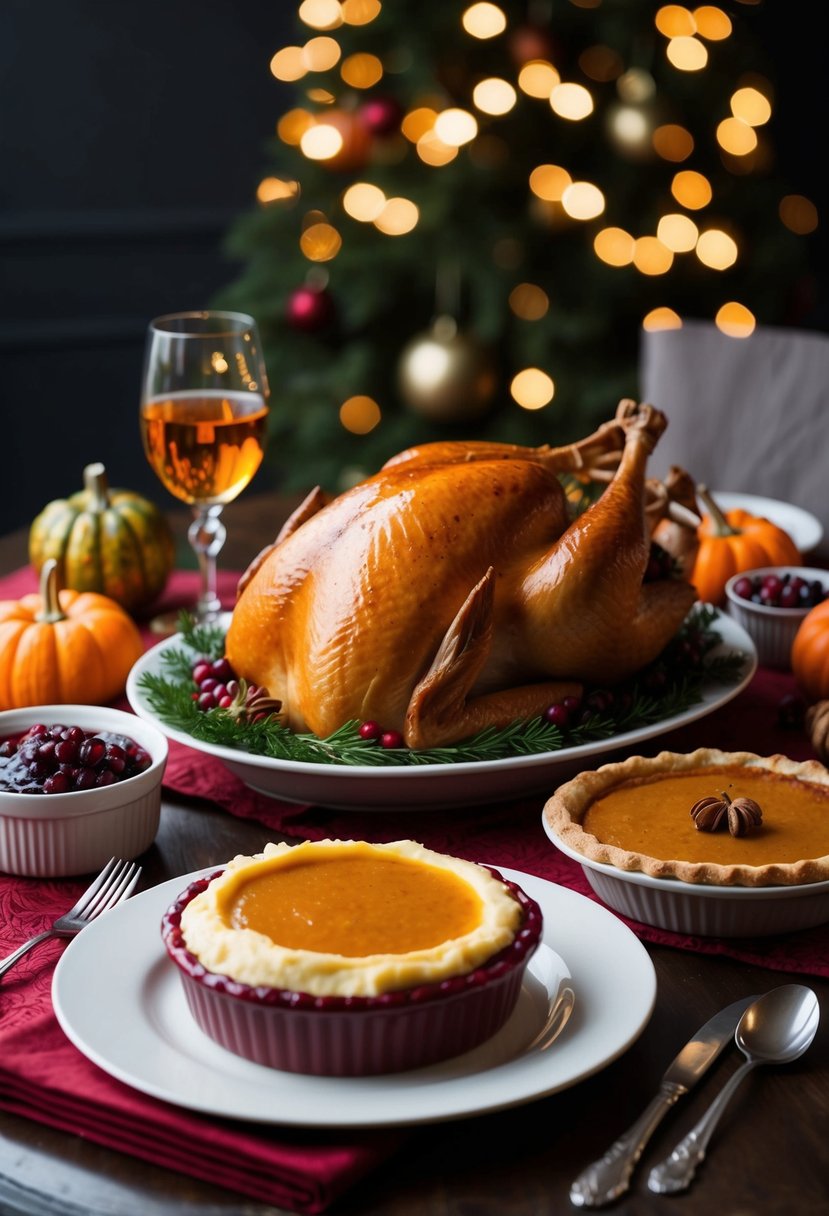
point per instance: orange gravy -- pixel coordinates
(652, 815)
(355, 905)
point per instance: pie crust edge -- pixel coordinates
(564, 810)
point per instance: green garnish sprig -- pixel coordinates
(670, 686)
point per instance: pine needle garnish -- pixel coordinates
(668, 687)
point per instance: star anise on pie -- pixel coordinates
(740, 815)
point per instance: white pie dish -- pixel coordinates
(56, 835)
(709, 911)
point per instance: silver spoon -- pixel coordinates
(776, 1029)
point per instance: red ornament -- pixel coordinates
(381, 115)
(310, 309)
(529, 42)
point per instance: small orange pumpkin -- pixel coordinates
(810, 653)
(733, 542)
(64, 647)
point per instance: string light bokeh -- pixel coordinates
(641, 104)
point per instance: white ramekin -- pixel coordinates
(353, 1035)
(55, 835)
(771, 629)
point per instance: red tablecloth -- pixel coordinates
(45, 1078)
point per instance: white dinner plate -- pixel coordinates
(433, 786)
(129, 1016)
(804, 528)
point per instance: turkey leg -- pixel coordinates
(585, 602)
(441, 710)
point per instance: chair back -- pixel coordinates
(745, 415)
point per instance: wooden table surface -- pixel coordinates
(770, 1155)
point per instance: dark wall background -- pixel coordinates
(133, 132)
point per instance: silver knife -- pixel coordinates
(609, 1177)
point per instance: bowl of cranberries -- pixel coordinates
(78, 784)
(770, 602)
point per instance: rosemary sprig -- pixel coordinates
(683, 670)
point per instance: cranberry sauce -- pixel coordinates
(780, 591)
(60, 759)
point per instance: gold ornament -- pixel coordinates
(445, 375)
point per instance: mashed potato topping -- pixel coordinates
(349, 918)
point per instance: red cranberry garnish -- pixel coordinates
(370, 730)
(391, 739)
(222, 670)
(558, 715)
(201, 671)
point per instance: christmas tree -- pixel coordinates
(473, 209)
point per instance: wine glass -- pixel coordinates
(204, 416)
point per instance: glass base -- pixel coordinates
(165, 624)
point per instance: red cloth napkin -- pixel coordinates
(43, 1077)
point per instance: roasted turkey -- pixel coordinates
(451, 591)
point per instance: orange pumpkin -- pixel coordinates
(733, 542)
(810, 653)
(64, 647)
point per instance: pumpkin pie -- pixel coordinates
(708, 816)
(341, 957)
(347, 918)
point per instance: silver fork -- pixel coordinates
(115, 882)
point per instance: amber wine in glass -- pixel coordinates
(204, 415)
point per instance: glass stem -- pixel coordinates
(207, 534)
